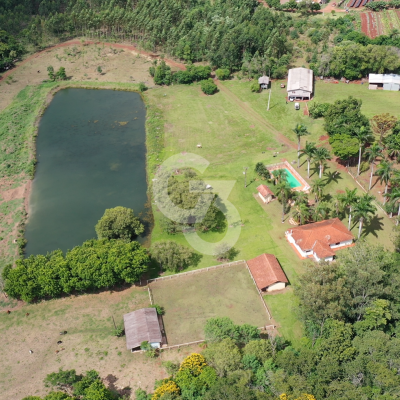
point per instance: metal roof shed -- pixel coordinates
(300, 83)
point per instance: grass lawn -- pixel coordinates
(190, 300)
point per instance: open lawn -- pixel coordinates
(89, 343)
(190, 300)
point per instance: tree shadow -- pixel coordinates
(110, 381)
(195, 259)
(374, 225)
(334, 176)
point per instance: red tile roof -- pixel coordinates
(264, 190)
(266, 270)
(320, 235)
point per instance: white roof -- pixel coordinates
(300, 79)
(263, 79)
(384, 78)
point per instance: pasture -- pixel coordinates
(190, 300)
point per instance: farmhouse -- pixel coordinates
(300, 83)
(142, 326)
(320, 239)
(385, 81)
(265, 193)
(263, 81)
(267, 273)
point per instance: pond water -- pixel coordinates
(91, 156)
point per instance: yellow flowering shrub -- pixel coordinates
(304, 396)
(167, 387)
(194, 363)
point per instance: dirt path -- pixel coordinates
(279, 136)
(172, 63)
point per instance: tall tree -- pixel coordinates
(348, 200)
(308, 152)
(171, 255)
(363, 136)
(317, 188)
(321, 211)
(301, 213)
(283, 191)
(382, 124)
(320, 156)
(394, 196)
(372, 154)
(280, 175)
(364, 210)
(299, 130)
(385, 171)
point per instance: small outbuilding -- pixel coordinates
(384, 81)
(263, 81)
(267, 273)
(300, 83)
(142, 326)
(265, 193)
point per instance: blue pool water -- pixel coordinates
(293, 182)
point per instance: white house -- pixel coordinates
(318, 240)
(300, 83)
(265, 193)
(267, 273)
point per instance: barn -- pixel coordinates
(384, 81)
(263, 81)
(267, 273)
(300, 83)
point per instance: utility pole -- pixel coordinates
(115, 326)
(244, 172)
(269, 98)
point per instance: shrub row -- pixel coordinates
(95, 265)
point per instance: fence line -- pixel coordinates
(258, 291)
(196, 271)
(150, 295)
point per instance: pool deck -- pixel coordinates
(304, 186)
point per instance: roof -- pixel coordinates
(264, 190)
(326, 233)
(300, 79)
(140, 326)
(384, 78)
(266, 270)
(263, 79)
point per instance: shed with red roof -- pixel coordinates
(265, 193)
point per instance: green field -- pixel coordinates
(192, 299)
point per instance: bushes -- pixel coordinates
(208, 86)
(162, 74)
(255, 87)
(222, 74)
(317, 110)
(96, 264)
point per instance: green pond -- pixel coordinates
(91, 156)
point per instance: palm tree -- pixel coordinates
(300, 130)
(308, 152)
(348, 200)
(363, 136)
(283, 191)
(301, 213)
(321, 211)
(301, 197)
(280, 175)
(384, 171)
(394, 196)
(364, 209)
(373, 153)
(320, 156)
(317, 187)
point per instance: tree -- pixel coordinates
(171, 255)
(301, 197)
(363, 136)
(299, 130)
(222, 74)
(217, 329)
(308, 152)
(261, 349)
(119, 223)
(262, 171)
(317, 187)
(348, 200)
(363, 210)
(50, 71)
(344, 146)
(99, 70)
(280, 175)
(394, 196)
(283, 191)
(382, 124)
(301, 213)
(321, 211)
(384, 171)
(61, 74)
(320, 156)
(208, 86)
(372, 154)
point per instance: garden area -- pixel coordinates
(374, 24)
(190, 300)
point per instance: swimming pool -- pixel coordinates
(293, 182)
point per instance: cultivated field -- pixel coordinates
(89, 343)
(374, 24)
(192, 299)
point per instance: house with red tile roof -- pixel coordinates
(321, 239)
(265, 193)
(267, 273)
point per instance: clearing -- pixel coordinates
(190, 300)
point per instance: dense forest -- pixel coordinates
(238, 35)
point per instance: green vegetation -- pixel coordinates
(208, 86)
(190, 300)
(170, 255)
